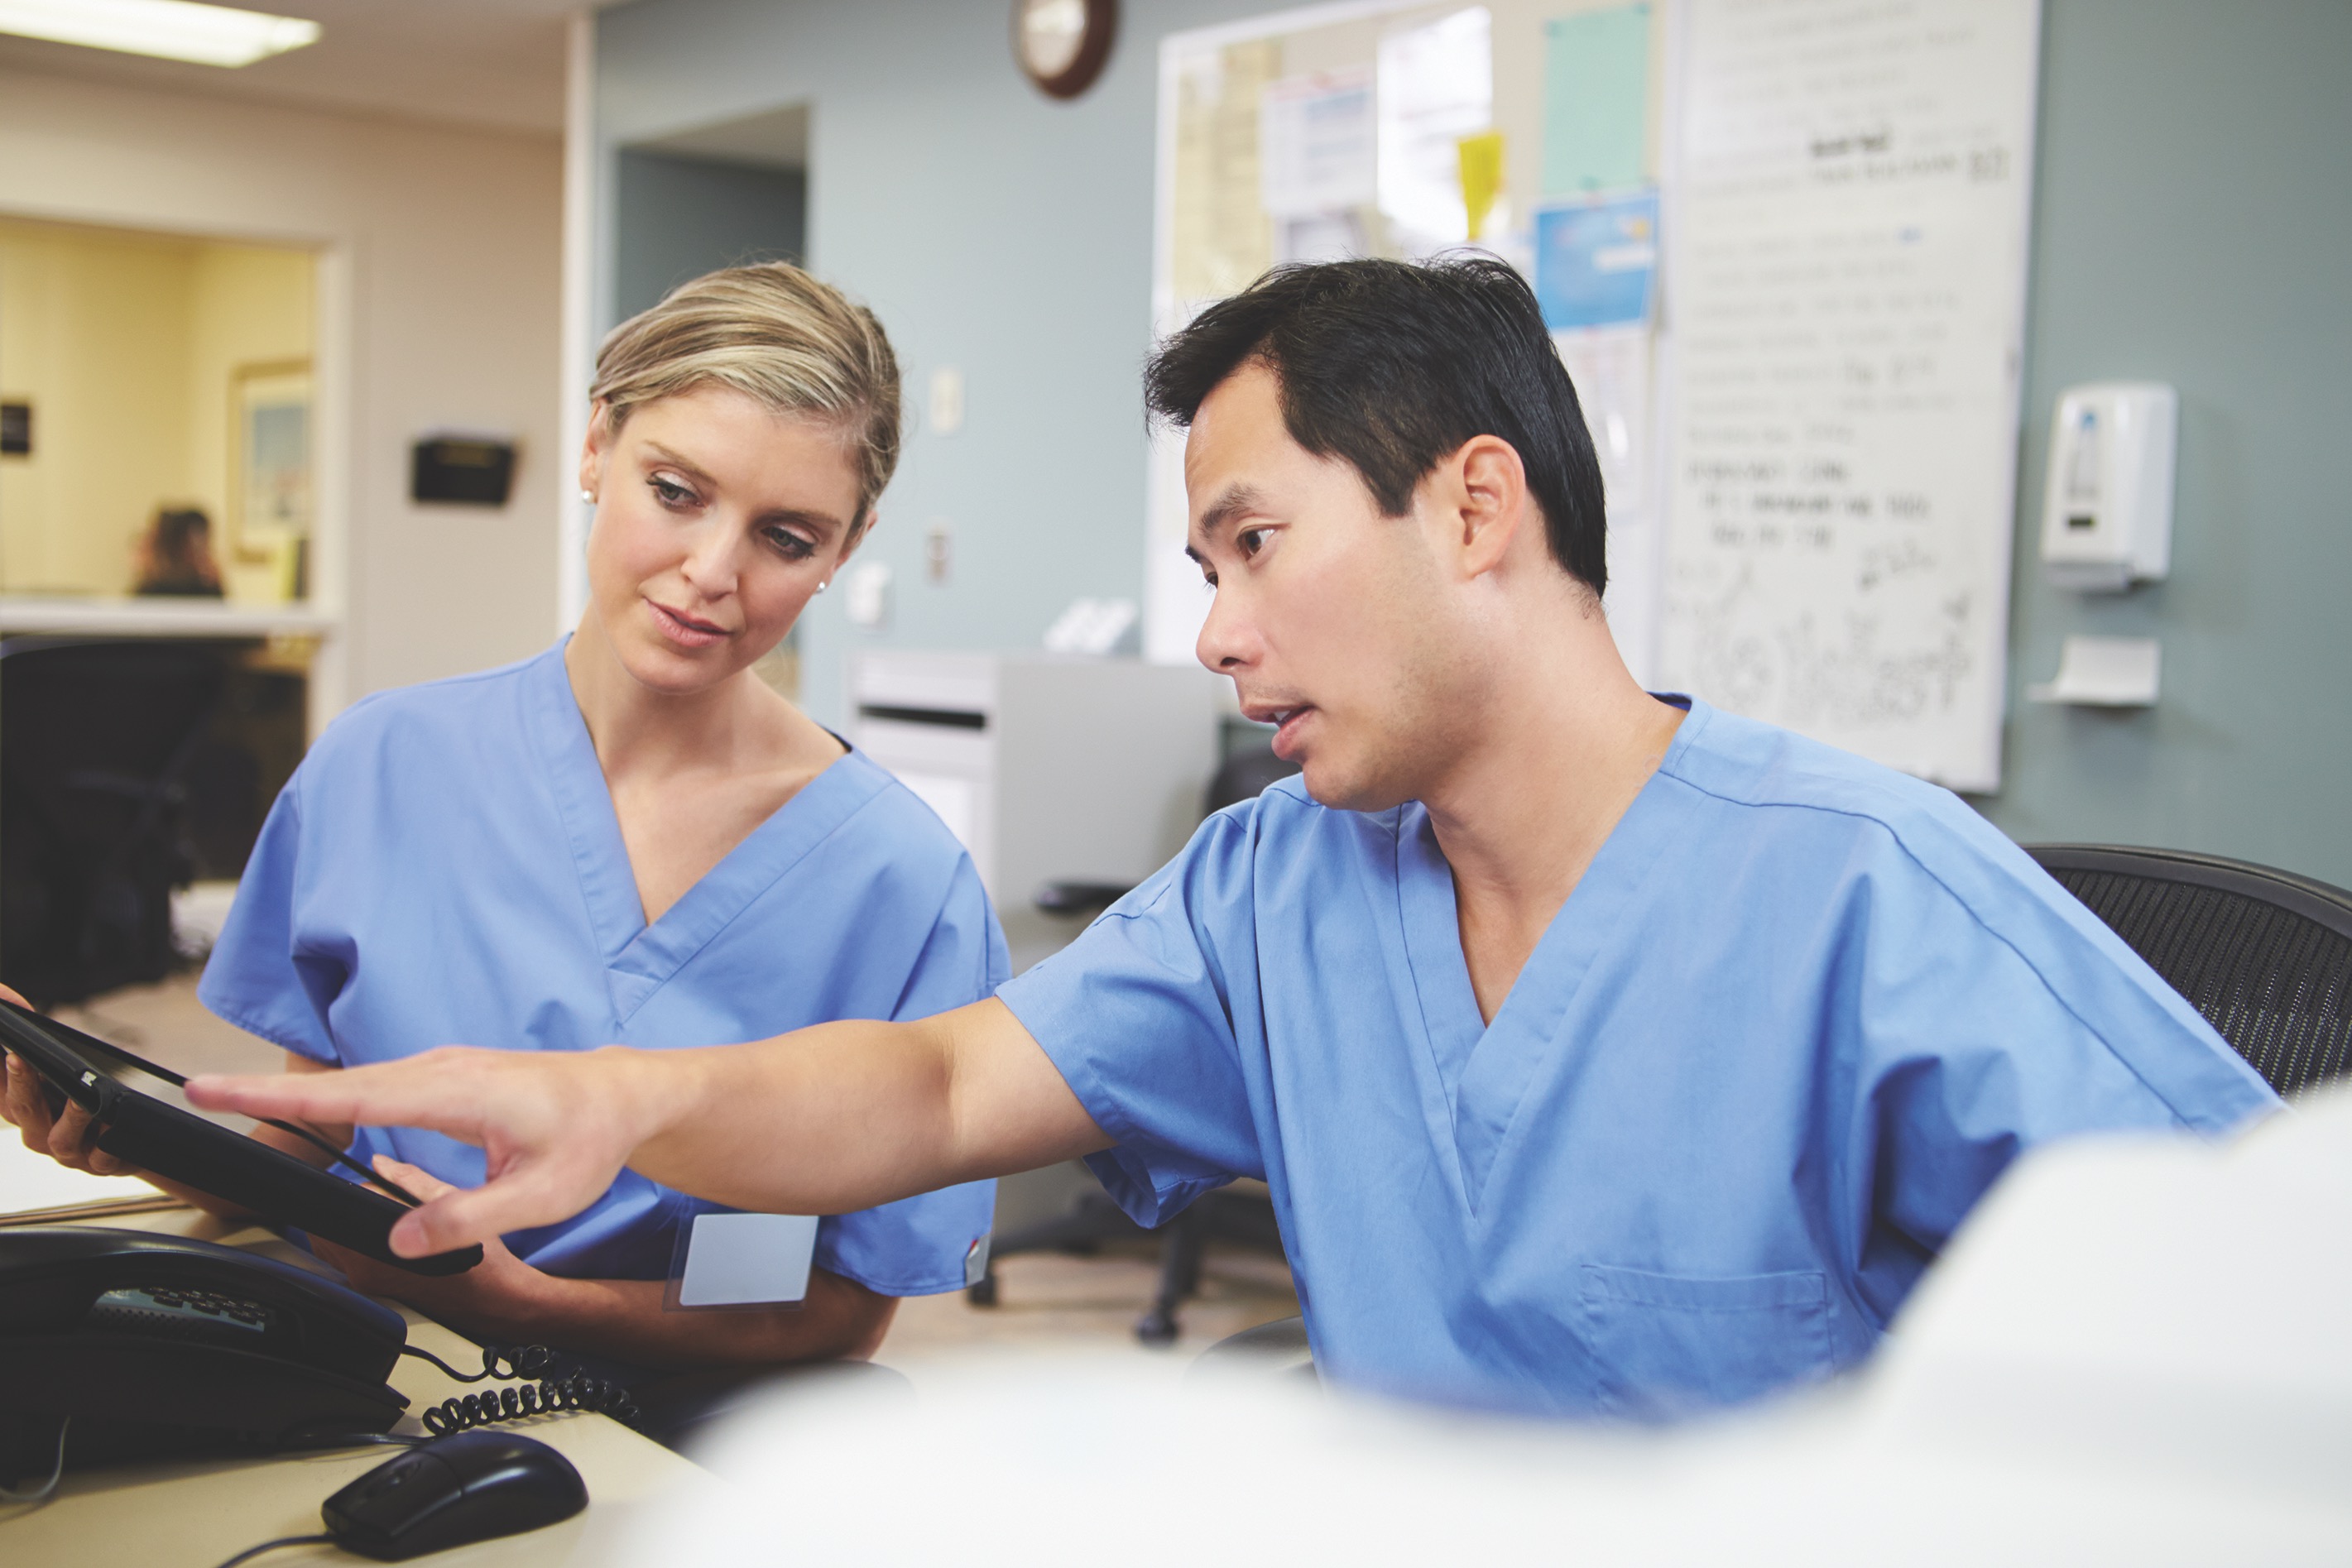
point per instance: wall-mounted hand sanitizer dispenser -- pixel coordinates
(2107, 519)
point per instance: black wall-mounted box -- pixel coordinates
(460, 470)
(15, 429)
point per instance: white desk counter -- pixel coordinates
(315, 635)
(159, 616)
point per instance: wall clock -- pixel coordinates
(1062, 44)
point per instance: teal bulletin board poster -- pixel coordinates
(1596, 100)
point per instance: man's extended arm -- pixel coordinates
(822, 1120)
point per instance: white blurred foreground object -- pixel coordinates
(2135, 1353)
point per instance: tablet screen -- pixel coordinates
(143, 1077)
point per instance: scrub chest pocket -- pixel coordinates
(1674, 1343)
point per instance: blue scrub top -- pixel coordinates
(1798, 1016)
(446, 868)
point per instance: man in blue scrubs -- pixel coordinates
(1603, 1052)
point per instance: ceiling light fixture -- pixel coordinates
(168, 29)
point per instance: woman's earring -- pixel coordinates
(825, 584)
(589, 496)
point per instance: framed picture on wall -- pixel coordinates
(270, 479)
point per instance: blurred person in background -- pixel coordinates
(174, 556)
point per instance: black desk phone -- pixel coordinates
(123, 1344)
(155, 1344)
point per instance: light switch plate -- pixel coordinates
(946, 400)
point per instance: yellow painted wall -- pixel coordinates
(94, 331)
(124, 343)
(249, 305)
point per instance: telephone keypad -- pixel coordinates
(180, 1314)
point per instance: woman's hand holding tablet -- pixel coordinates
(50, 1123)
(95, 1106)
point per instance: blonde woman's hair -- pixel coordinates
(775, 334)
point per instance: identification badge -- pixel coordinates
(726, 1260)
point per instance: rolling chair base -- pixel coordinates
(1095, 1220)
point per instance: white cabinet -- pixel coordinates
(1049, 768)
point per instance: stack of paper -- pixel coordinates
(33, 1183)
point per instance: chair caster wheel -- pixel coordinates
(1157, 1329)
(983, 1293)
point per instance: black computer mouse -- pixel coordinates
(453, 1492)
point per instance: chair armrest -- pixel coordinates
(1079, 897)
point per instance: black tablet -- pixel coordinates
(143, 1118)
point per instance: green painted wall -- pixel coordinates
(676, 218)
(2193, 222)
(2193, 225)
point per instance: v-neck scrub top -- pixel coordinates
(446, 868)
(1796, 1018)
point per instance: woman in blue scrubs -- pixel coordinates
(631, 839)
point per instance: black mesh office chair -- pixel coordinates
(1242, 1214)
(97, 739)
(2265, 955)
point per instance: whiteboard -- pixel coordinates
(1846, 254)
(1814, 525)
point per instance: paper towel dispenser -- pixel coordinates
(2106, 516)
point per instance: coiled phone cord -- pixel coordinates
(549, 1395)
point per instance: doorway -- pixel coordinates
(160, 414)
(721, 195)
(717, 197)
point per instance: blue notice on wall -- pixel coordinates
(1597, 261)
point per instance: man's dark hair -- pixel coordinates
(1390, 366)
